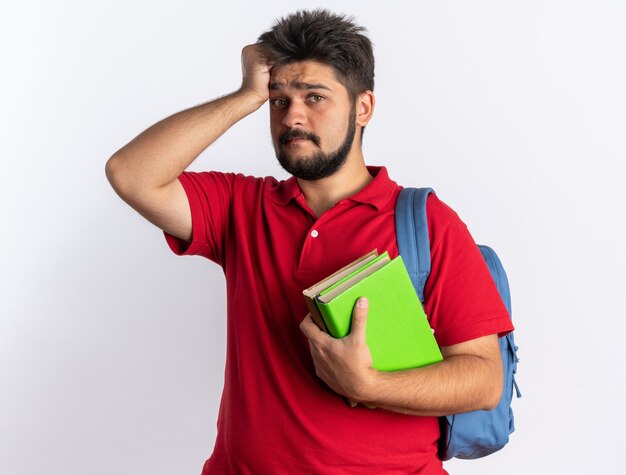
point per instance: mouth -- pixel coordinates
(296, 141)
(294, 138)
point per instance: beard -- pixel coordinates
(319, 165)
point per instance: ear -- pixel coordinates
(364, 108)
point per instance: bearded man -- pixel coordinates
(283, 407)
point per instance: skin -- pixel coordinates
(303, 96)
(469, 377)
(297, 104)
(307, 96)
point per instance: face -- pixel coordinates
(312, 120)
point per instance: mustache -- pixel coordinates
(299, 134)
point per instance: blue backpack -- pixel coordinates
(474, 434)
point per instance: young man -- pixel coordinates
(281, 410)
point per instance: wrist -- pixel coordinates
(366, 389)
(252, 99)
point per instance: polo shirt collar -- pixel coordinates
(377, 193)
(286, 191)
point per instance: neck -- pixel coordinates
(323, 194)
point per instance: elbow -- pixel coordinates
(493, 392)
(488, 401)
(111, 170)
(492, 401)
(115, 175)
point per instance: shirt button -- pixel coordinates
(314, 233)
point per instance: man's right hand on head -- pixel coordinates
(255, 69)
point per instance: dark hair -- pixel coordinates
(326, 37)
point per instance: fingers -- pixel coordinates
(309, 328)
(255, 68)
(252, 56)
(305, 326)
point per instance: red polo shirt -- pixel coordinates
(276, 416)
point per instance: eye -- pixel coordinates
(315, 98)
(278, 102)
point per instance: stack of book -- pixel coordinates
(398, 333)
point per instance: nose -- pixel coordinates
(294, 115)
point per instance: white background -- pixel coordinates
(112, 348)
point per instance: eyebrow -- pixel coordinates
(275, 86)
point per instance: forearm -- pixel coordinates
(161, 153)
(470, 377)
(459, 383)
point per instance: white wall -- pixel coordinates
(112, 349)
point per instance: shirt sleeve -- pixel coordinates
(461, 298)
(210, 196)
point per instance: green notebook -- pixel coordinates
(398, 333)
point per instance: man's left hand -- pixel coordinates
(345, 364)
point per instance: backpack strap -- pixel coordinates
(412, 235)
